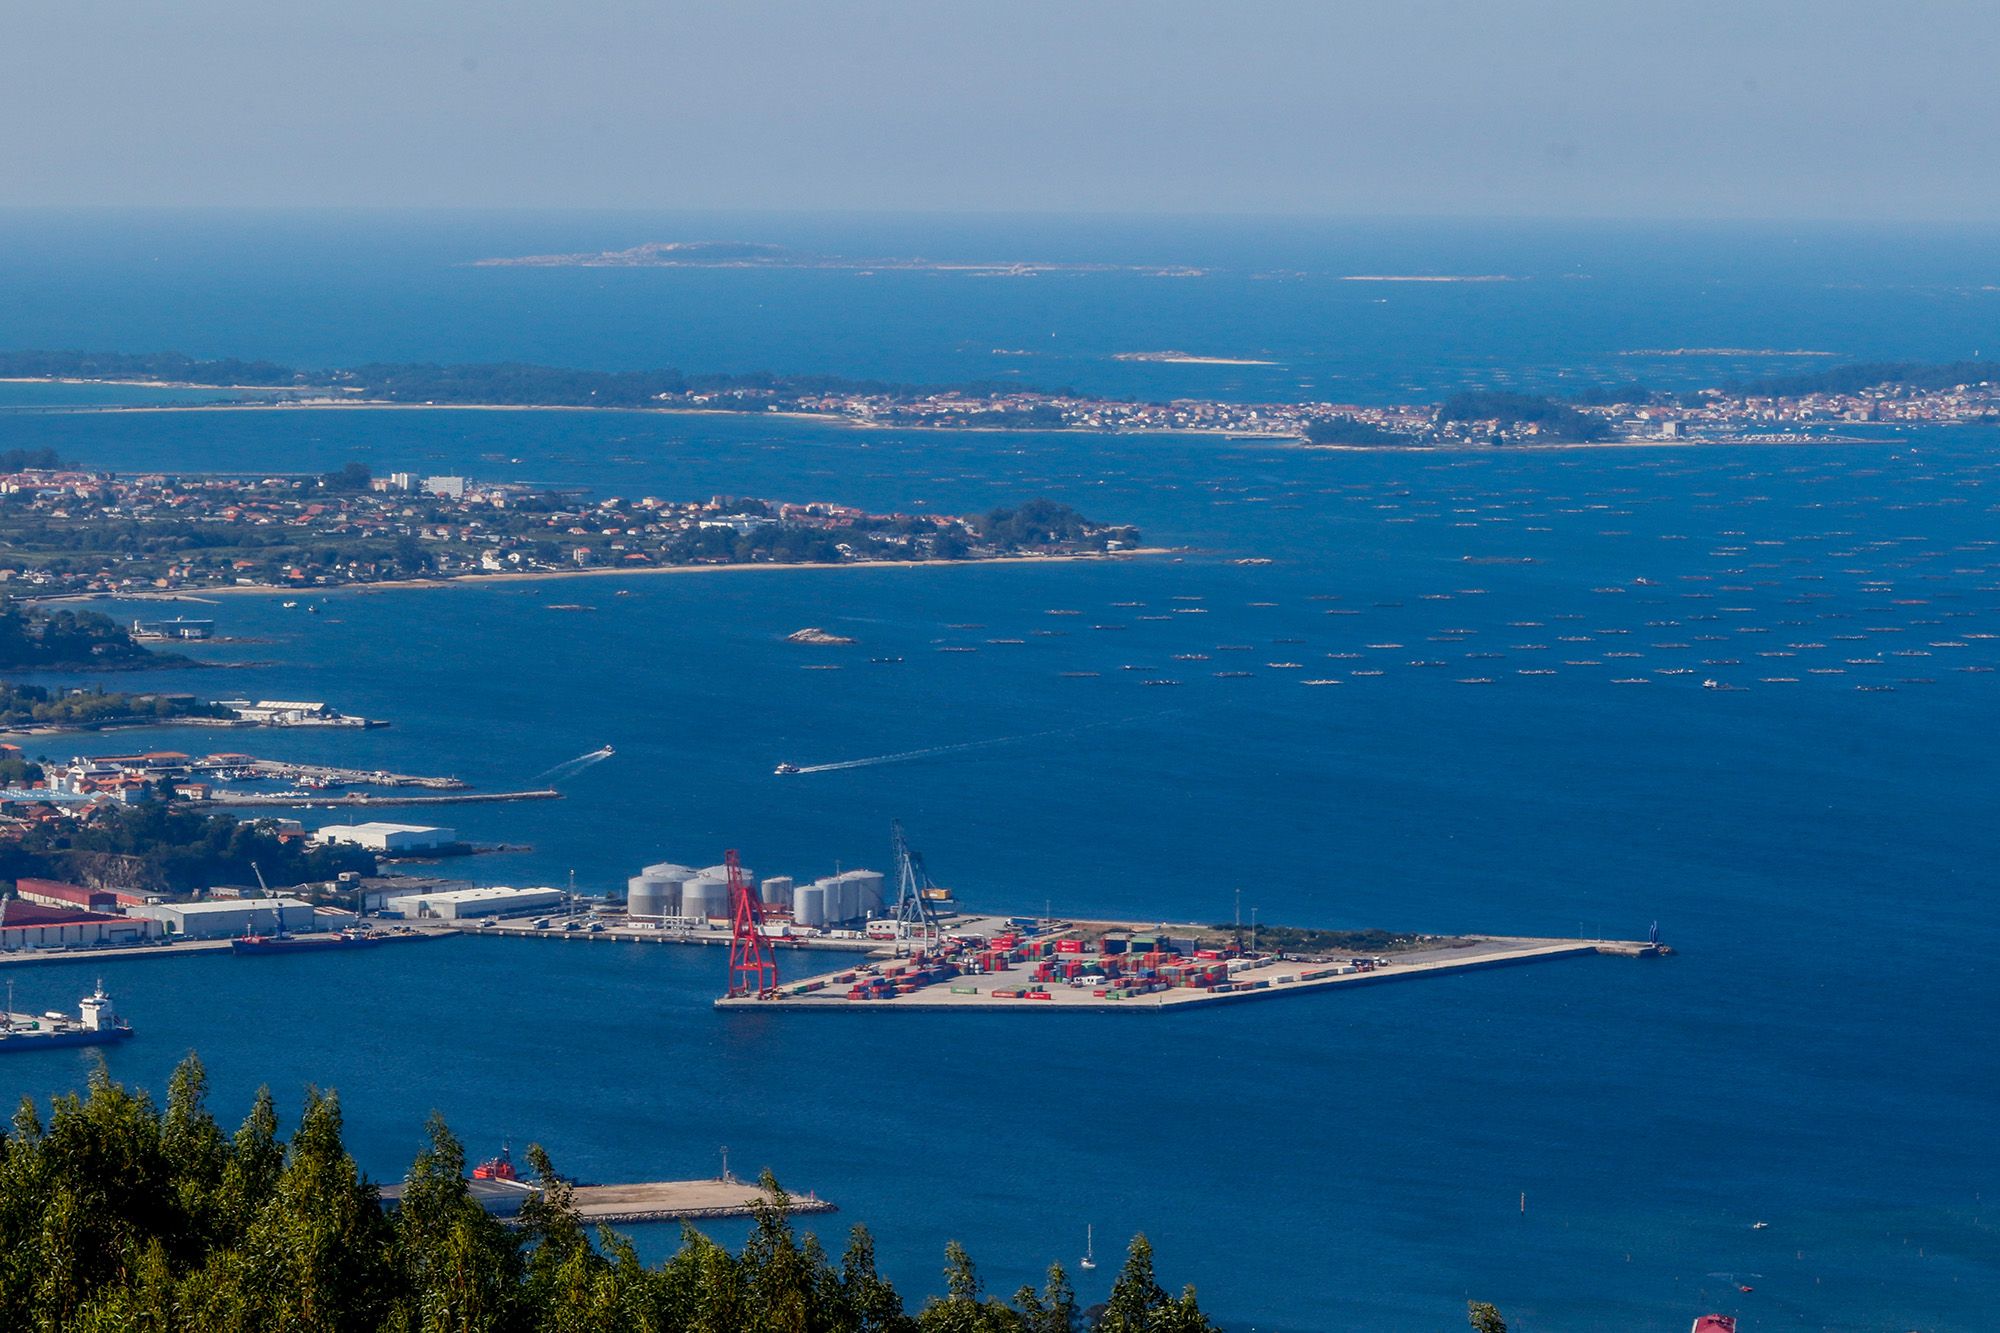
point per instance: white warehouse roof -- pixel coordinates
(379, 826)
(496, 893)
(458, 904)
(218, 906)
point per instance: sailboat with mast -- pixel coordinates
(1089, 1247)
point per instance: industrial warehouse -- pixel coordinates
(469, 903)
(223, 918)
(389, 839)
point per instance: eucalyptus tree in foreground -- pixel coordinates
(117, 1215)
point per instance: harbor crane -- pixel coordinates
(753, 964)
(914, 887)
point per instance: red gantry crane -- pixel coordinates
(753, 965)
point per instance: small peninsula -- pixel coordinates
(66, 530)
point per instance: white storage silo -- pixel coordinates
(841, 889)
(809, 905)
(647, 898)
(831, 905)
(705, 896)
(777, 891)
(656, 890)
(868, 891)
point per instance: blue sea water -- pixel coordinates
(1816, 1055)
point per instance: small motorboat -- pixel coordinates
(784, 770)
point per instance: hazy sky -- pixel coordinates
(1737, 108)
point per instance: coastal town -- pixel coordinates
(1626, 415)
(69, 530)
(1813, 407)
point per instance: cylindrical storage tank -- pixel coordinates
(850, 900)
(777, 891)
(809, 905)
(868, 888)
(645, 897)
(705, 896)
(722, 873)
(832, 905)
(668, 870)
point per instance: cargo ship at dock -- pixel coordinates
(288, 943)
(95, 1024)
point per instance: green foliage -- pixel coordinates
(32, 638)
(27, 460)
(1484, 1318)
(1050, 1310)
(118, 1215)
(158, 367)
(18, 772)
(963, 1308)
(363, 537)
(505, 383)
(167, 845)
(1139, 1304)
(1352, 430)
(1042, 525)
(32, 705)
(1552, 421)
(353, 476)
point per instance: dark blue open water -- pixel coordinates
(1817, 1056)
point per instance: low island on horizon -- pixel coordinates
(1814, 407)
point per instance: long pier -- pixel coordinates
(1256, 979)
(172, 946)
(645, 1201)
(286, 771)
(672, 1200)
(275, 802)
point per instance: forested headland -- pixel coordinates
(117, 1214)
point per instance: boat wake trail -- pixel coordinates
(961, 747)
(569, 768)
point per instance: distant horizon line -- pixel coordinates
(1302, 217)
